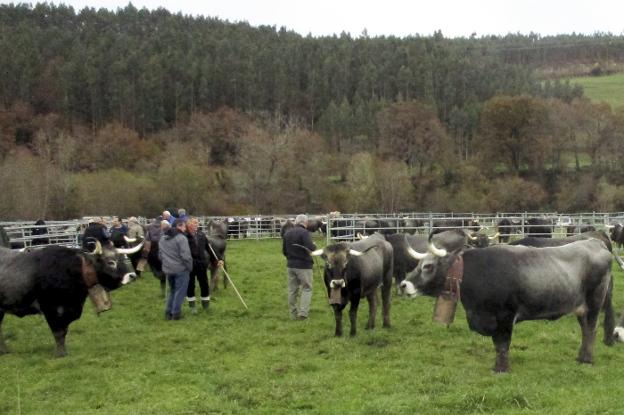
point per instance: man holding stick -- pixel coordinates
(299, 265)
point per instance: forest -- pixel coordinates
(124, 112)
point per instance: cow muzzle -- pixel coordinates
(100, 298)
(128, 278)
(335, 291)
(619, 334)
(409, 288)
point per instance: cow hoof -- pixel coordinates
(60, 353)
(501, 369)
(585, 359)
(352, 334)
(3, 350)
(386, 325)
(609, 341)
(338, 334)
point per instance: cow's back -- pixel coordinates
(375, 266)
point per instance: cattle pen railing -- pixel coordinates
(341, 227)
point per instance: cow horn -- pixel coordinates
(609, 226)
(415, 254)
(129, 251)
(360, 236)
(496, 235)
(98, 248)
(318, 252)
(437, 251)
(355, 253)
(130, 240)
(472, 238)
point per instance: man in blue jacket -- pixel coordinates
(299, 263)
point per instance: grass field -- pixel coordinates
(230, 361)
(604, 88)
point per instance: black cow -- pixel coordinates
(480, 240)
(616, 232)
(503, 285)
(506, 227)
(56, 280)
(289, 224)
(40, 230)
(448, 224)
(538, 228)
(576, 229)
(315, 224)
(403, 261)
(354, 271)
(4, 238)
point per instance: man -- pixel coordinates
(135, 231)
(166, 215)
(299, 264)
(201, 254)
(177, 263)
(117, 232)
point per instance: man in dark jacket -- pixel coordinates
(202, 257)
(299, 264)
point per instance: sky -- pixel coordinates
(455, 18)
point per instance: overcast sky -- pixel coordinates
(401, 18)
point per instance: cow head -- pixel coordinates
(481, 240)
(109, 264)
(429, 277)
(337, 258)
(615, 232)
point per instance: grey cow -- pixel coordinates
(504, 285)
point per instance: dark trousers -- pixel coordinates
(199, 272)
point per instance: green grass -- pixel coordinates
(604, 88)
(230, 361)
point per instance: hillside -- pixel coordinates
(609, 88)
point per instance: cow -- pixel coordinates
(503, 285)
(56, 280)
(355, 270)
(480, 240)
(315, 224)
(576, 229)
(448, 224)
(4, 238)
(217, 228)
(403, 262)
(505, 228)
(289, 224)
(616, 232)
(217, 239)
(539, 228)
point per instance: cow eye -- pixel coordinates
(111, 263)
(428, 267)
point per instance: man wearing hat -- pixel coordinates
(299, 264)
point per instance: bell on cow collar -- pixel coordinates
(445, 306)
(100, 298)
(335, 296)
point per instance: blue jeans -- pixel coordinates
(178, 284)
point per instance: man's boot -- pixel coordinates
(205, 303)
(192, 307)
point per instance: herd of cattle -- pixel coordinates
(499, 282)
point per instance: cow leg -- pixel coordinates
(338, 316)
(214, 278)
(3, 348)
(588, 323)
(502, 341)
(609, 317)
(59, 331)
(386, 297)
(355, 302)
(372, 309)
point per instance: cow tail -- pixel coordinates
(609, 316)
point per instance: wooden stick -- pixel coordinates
(228, 277)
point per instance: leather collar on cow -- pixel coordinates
(89, 276)
(454, 277)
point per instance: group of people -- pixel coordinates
(177, 251)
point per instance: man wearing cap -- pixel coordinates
(299, 264)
